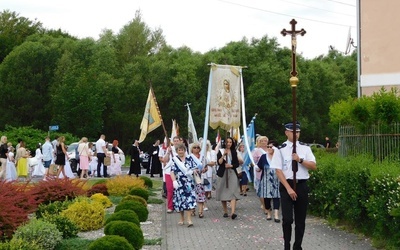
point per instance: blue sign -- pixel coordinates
(53, 128)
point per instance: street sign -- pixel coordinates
(53, 127)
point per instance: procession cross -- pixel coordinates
(293, 83)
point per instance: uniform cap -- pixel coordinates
(289, 126)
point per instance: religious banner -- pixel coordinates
(225, 96)
(151, 118)
(250, 144)
(175, 129)
(192, 134)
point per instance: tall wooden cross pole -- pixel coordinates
(293, 83)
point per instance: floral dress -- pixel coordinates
(184, 196)
(269, 183)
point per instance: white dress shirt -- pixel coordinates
(282, 159)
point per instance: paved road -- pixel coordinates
(250, 230)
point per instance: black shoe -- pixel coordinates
(152, 176)
(277, 220)
(234, 216)
(225, 215)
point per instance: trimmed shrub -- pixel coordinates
(18, 244)
(122, 184)
(136, 206)
(68, 228)
(44, 233)
(142, 192)
(74, 243)
(147, 181)
(86, 214)
(111, 242)
(53, 208)
(135, 198)
(124, 215)
(128, 230)
(100, 188)
(102, 199)
(15, 206)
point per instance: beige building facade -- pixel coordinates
(378, 45)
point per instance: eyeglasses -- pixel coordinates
(196, 147)
(269, 146)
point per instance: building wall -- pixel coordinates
(379, 45)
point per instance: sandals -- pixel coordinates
(201, 215)
(194, 213)
(180, 223)
(190, 224)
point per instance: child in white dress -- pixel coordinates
(11, 173)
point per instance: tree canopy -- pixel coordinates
(89, 87)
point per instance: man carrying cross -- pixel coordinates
(288, 161)
(293, 202)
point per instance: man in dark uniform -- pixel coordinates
(293, 203)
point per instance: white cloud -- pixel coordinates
(202, 25)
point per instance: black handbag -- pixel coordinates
(206, 182)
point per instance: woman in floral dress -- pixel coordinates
(184, 198)
(199, 188)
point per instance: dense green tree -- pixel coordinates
(14, 30)
(84, 87)
(26, 75)
(136, 39)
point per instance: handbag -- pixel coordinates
(107, 161)
(53, 169)
(206, 182)
(196, 178)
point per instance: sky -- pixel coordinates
(203, 25)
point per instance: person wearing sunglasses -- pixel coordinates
(269, 183)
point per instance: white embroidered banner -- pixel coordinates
(225, 97)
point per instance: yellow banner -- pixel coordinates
(151, 118)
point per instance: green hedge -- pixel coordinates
(358, 192)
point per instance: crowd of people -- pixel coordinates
(51, 159)
(190, 179)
